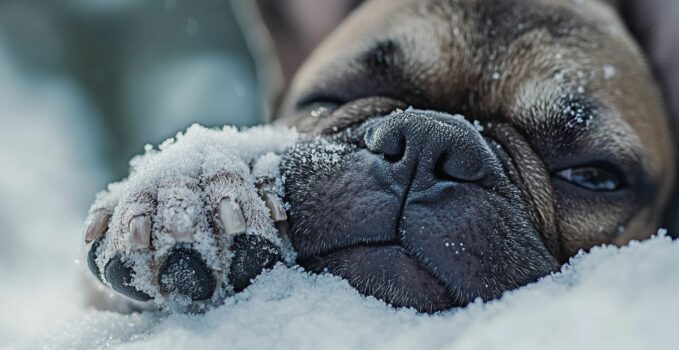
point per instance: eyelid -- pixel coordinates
(627, 167)
(603, 180)
(318, 100)
(608, 167)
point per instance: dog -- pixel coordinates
(452, 150)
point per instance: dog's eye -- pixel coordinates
(593, 178)
(315, 101)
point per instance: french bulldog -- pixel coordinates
(448, 150)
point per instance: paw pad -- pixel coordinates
(195, 221)
(119, 275)
(184, 273)
(252, 255)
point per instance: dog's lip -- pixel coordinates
(305, 260)
(304, 255)
(320, 259)
(320, 262)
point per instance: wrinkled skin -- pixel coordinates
(564, 145)
(421, 209)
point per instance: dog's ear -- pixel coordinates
(655, 25)
(282, 33)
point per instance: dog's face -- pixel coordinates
(565, 146)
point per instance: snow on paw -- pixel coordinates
(121, 246)
(99, 217)
(192, 224)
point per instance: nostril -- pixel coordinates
(396, 153)
(439, 171)
(388, 142)
(425, 147)
(459, 166)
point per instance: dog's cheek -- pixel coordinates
(336, 200)
(586, 222)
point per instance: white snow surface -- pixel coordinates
(610, 298)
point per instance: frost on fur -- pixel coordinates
(180, 187)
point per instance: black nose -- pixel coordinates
(425, 147)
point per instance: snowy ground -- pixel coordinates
(609, 299)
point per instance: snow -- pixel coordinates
(219, 161)
(609, 71)
(611, 298)
(46, 182)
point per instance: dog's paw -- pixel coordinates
(190, 231)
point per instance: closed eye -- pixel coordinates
(598, 178)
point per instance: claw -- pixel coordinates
(232, 216)
(97, 226)
(182, 236)
(275, 205)
(140, 232)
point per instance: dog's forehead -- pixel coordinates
(474, 44)
(502, 58)
(514, 55)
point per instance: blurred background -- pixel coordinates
(84, 85)
(146, 69)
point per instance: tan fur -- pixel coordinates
(466, 61)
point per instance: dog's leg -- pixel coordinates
(194, 222)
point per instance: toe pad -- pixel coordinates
(92, 259)
(185, 273)
(119, 276)
(252, 255)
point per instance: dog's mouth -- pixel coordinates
(412, 247)
(387, 272)
(377, 263)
